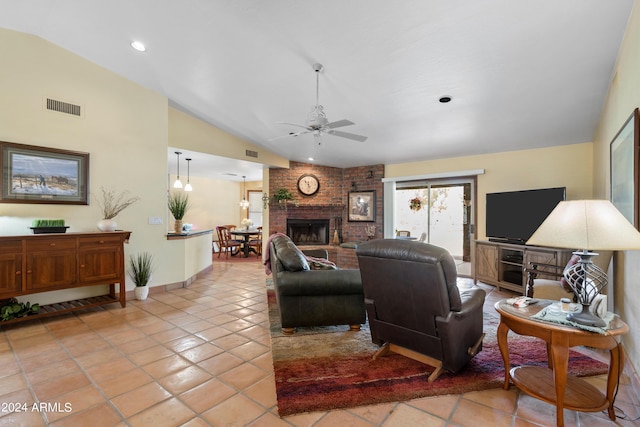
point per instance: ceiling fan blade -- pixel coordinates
(339, 124)
(347, 135)
(289, 135)
(295, 124)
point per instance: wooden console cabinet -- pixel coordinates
(49, 262)
(503, 264)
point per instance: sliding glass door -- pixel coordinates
(440, 213)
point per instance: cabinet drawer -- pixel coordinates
(98, 241)
(10, 247)
(50, 245)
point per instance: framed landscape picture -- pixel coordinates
(32, 174)
(362, 206)
(624, 152)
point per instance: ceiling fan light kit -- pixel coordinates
(317, 122)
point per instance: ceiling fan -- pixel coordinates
(317, 122)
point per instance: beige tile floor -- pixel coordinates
(200, 356)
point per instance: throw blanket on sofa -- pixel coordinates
(314, 263)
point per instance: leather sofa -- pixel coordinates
(415, 307)
(311, 292)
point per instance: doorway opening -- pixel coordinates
(443, 218)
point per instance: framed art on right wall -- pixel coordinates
(624, 151)
(362, 206)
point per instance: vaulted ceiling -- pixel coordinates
(520, 73)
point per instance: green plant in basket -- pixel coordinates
(178, 204)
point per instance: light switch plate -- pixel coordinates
(155, 220)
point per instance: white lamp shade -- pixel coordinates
(587, 224)
(177, 184)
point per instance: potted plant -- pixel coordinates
(112, 204)
(178, 206)
(282, 196)
(140, 269)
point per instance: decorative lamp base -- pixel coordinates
(585, 317)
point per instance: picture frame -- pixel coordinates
(362, 206)
(32, 174)
(623, 155)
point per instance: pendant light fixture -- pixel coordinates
(188, 186)
(178, 183)
(244, 203)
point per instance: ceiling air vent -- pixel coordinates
(63, 107)
(251, 153)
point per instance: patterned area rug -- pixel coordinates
(323, 368)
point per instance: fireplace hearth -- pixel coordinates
(308, 231)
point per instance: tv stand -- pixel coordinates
(507, 241)
(502, 264)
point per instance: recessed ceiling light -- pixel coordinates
(445, 99)
(139, 46)
(310, 159)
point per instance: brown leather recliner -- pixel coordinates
(414, 305)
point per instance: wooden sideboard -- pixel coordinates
(50, 262)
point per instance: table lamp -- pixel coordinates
(586, 225)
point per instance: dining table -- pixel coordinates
(246, 235)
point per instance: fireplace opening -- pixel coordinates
(308, 231)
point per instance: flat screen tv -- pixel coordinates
(513, 216)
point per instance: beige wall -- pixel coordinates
(193, 134)
(564, 166)
(214, 202)
(124, 129)
(210, 203)
(623, 98)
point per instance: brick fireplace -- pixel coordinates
(308, 231)
(330, 202)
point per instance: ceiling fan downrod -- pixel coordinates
(317, 118)
(317, 68)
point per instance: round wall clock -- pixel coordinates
(308, 185)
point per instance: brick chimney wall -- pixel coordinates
(331, 199)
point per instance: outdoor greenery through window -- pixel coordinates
(440, 216)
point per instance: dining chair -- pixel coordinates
(226, 243)
(256, 243)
